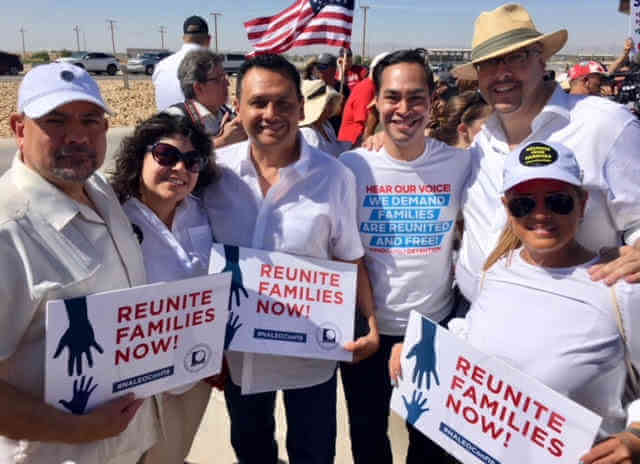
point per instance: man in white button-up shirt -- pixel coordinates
(508, 59)
(278, 193)
(165, 75)
(63, 234)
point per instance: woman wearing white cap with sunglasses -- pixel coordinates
(539, 310)
(537, 307)
(158, 169)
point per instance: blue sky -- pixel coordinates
(594, 25)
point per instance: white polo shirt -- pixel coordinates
(311, 211)
(605, 138)
(53, 247)
(407, 213)
(165, 77)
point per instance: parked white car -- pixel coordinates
(232, 61)
(93, 62)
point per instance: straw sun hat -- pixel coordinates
(504, 30)
(317, 95)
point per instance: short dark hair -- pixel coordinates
(275, 63)
(195, 67)
(125, 178)
(417, 56)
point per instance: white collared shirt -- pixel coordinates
(311, 211)
(210, 122)
(177, 253)
(165, 77)
(604, 137)
(53, 247)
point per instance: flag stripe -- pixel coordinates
(306, 22)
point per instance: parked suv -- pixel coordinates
(232, 62)
(146, 62)
(10, 64)
(93, 62)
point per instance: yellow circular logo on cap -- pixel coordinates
(538, 154)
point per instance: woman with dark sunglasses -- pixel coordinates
(537, 307)
(159, 170)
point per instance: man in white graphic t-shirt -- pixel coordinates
(408, 199)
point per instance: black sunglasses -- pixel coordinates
(168, 156)
(557, 203)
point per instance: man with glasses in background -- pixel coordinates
(508, 58)
(206, 90)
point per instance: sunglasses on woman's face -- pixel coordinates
(168, 156)
(557, 203)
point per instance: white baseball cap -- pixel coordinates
(49, 86)
(541, 160)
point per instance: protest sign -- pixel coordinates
(634, 27)
(143, 340)
(480, 409)
(287, 305)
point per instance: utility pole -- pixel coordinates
(84, 39)
(113, 40)
(215, 28)
(163, 31)
(77, 29)
(364, 29)
(24, 50)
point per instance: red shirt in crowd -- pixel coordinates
(355, 74)
(354, 116)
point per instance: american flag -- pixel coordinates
(306, 22)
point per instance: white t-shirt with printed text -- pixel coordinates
(406, 217)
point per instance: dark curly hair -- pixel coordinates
(125, 178)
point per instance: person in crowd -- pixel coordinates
(277, 193)
(462, 118)
(307, 72)
(354, 72)
(360, 118)
(321, 102)
(63, 234)
(413, 272)
(165, 75)
(586, 78)
(158, 171)
(206, 90)
(540, 263)
(603, 135)
(622, 60)
(325, 70)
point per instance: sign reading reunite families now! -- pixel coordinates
(143, 340)
(287, 305)
(482, 410)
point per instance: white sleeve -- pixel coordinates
(345, 242)
(621, 173)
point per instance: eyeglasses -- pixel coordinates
(168, 156)
(516, 59)
(218, 79)
(557, 203)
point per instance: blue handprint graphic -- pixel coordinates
(81, 395)
(415, 408)
(232, 256)
(79, 337)
(425, 353)
(232, 327)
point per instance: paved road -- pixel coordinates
(98, 77)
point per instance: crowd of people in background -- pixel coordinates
(288, 166)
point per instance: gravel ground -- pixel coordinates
(130, 106)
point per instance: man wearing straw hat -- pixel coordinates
(508, 59)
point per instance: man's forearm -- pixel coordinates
(365, 301)
(25, 417)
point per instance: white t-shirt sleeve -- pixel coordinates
(621, 172)
(345, 242)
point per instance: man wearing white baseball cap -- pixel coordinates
(508, 59)
(62, 235)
